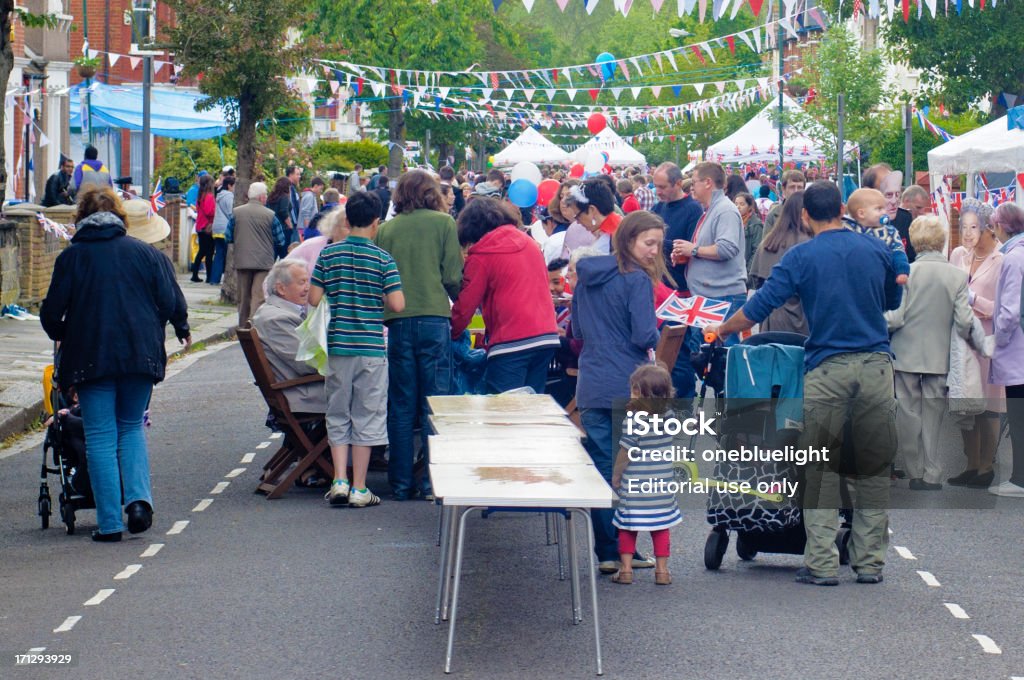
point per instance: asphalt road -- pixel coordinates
(289, 588)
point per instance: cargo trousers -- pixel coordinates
(850, 408)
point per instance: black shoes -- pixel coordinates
(140, 517)
(804, 575)
(921, 485)
(982, 481)
(963, 478)
(106, 538)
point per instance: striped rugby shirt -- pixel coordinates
(356, 275)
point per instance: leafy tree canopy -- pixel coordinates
(964, 57)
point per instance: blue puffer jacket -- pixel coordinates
(613, 313)
(109, 301)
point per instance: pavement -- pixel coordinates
(227, 584)
(25, 351)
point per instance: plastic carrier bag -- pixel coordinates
(312, 334)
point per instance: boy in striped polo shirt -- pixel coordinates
(358, 279)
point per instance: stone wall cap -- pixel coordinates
(23, 209)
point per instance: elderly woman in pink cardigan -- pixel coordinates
(979, 256)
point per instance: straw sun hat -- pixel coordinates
(143, 223)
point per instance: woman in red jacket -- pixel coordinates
(505, 275)
(206, 209)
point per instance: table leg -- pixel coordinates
(460, 536)
(440, 523)
(574, 572)
(443, 539)
(449, 560)
(593, 587)
(560, 544)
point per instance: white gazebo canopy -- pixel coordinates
(530, 146)
(990, 148)
(758, 140)
(619, 151)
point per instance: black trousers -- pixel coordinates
(204, 254)
(1015, 416)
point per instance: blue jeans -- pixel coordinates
(684, 378)
(598, 424)
(115, 442)
(220, 256)
(419, 366)
(528, 368)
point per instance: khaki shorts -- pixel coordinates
(357, 400)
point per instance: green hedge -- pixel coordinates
(331, 155)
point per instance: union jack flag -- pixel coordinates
(694, 311)
(156, 199)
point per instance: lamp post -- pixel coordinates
(143, 32)
(781, 40)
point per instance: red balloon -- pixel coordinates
(547, 190)
(596, 123)
(576, 170)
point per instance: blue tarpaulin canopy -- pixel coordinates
(173, 112)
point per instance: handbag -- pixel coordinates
(312, 334)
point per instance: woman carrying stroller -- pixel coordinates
(109, 300)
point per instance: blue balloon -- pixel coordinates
(608, 65)
(522, 193)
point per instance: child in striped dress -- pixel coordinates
(650, 387)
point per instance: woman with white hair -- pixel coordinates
(934, 302)
(1007, 367)
(979, 257)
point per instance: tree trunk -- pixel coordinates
(245, 169)
(444, 149)
(6, 65)
(396, 137)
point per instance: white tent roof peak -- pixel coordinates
(758, 140)
(530, 146)
(990, 148)
(619, 150)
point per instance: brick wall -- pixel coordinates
(38, 250)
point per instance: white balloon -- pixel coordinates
(595, 161)
(528, 171)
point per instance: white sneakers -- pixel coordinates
(1008, 489)
(362, 499)
(338, 493)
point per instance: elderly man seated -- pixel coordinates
(276, 321)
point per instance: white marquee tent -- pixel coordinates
(530, 146)
(758, 140)
(990, 148)
(619, 151)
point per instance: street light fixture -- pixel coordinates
(679, 32)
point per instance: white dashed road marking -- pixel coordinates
(177, 528)
(37, 649)
(220, 487)
(152, 550)
(956, 610)
(277, 435)
(203, 505)
(68, 624)
(904, 552)
(234, 473)
(927, 577)
(987, 643)
(262, 445)
(128, 572)
(248, 458)
(98, 598)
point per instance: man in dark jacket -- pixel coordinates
(58, 187)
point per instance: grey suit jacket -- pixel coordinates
(934, 303)
(276, 321)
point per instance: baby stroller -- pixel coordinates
(766, 413)
(65, 437)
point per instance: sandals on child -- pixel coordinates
(624, 578)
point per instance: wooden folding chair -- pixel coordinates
(300, 429)
(669, 345)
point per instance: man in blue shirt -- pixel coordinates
(845, 281)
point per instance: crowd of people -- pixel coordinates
(567, 292)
